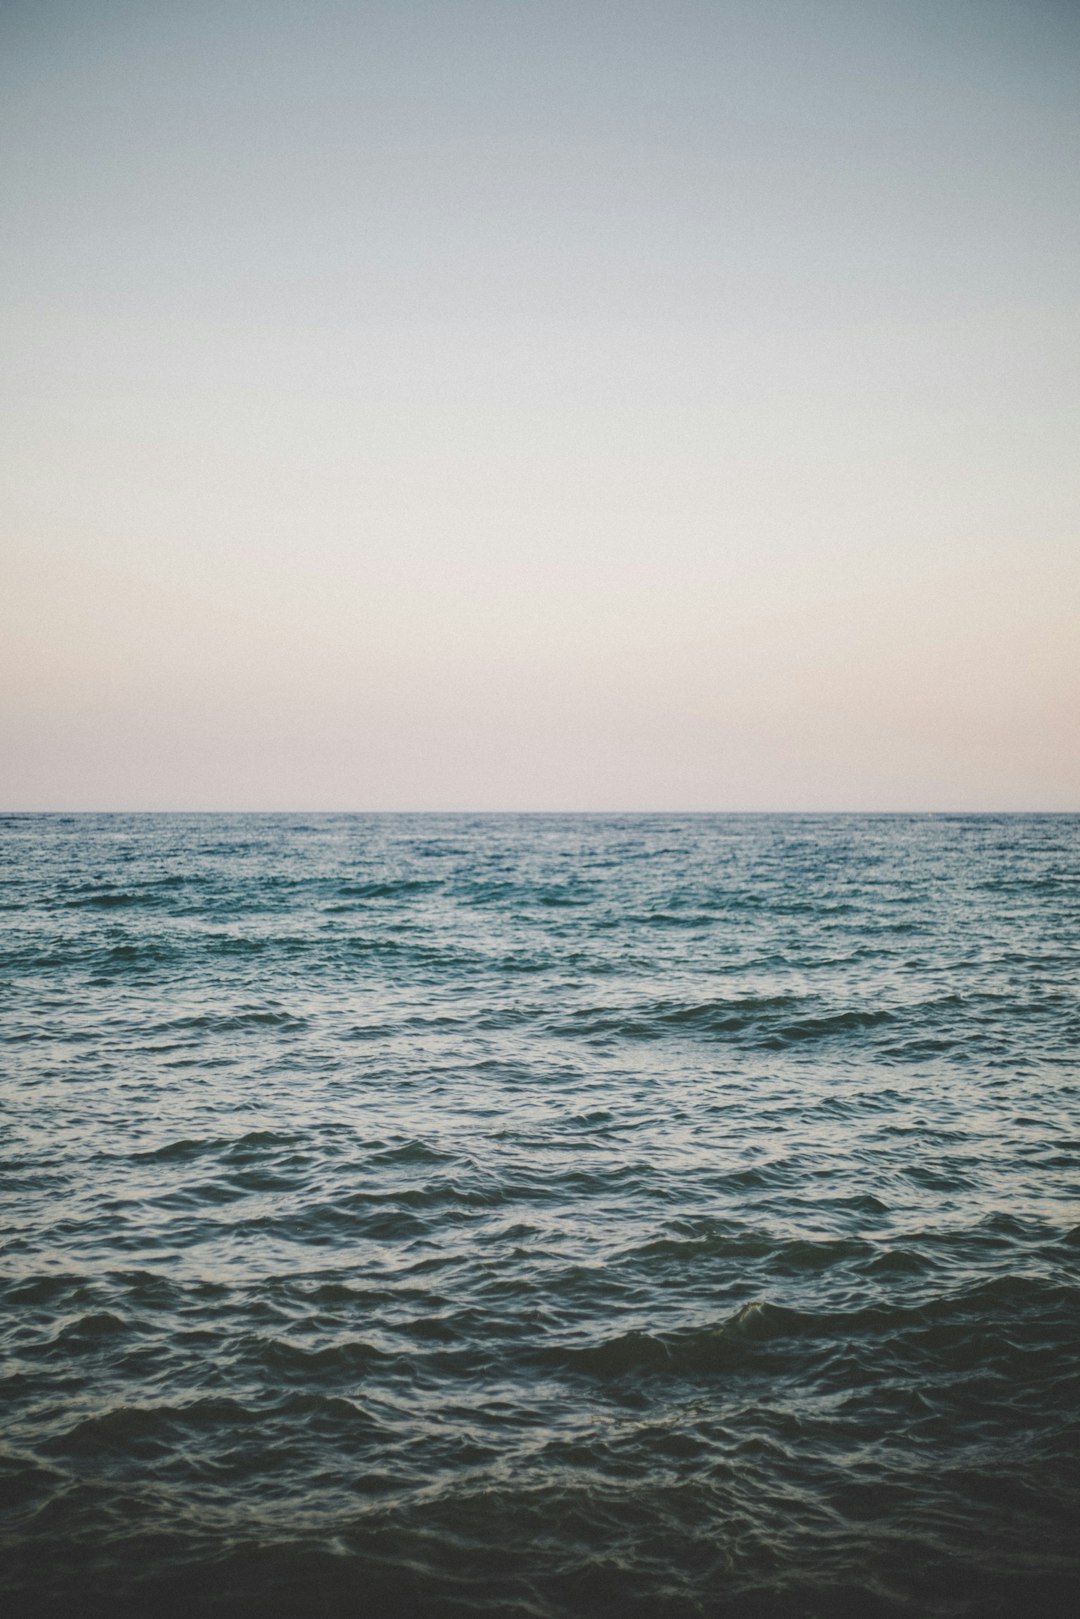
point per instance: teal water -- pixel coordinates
(540, 1216)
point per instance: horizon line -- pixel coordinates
(9, 814)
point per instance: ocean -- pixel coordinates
(540, 1216)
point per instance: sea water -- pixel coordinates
(540, 1215)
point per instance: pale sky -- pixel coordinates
(484, 404)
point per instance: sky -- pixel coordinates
(519, 404)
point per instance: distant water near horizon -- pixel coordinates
(540, 1216)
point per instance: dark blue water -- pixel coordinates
(540, 1216)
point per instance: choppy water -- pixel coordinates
(540, 1216)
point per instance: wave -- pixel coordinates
(962, 1331)
(105, 900)
(398, 888)
(240, 1018)
(760, 1015)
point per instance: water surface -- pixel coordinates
(540, 1216)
